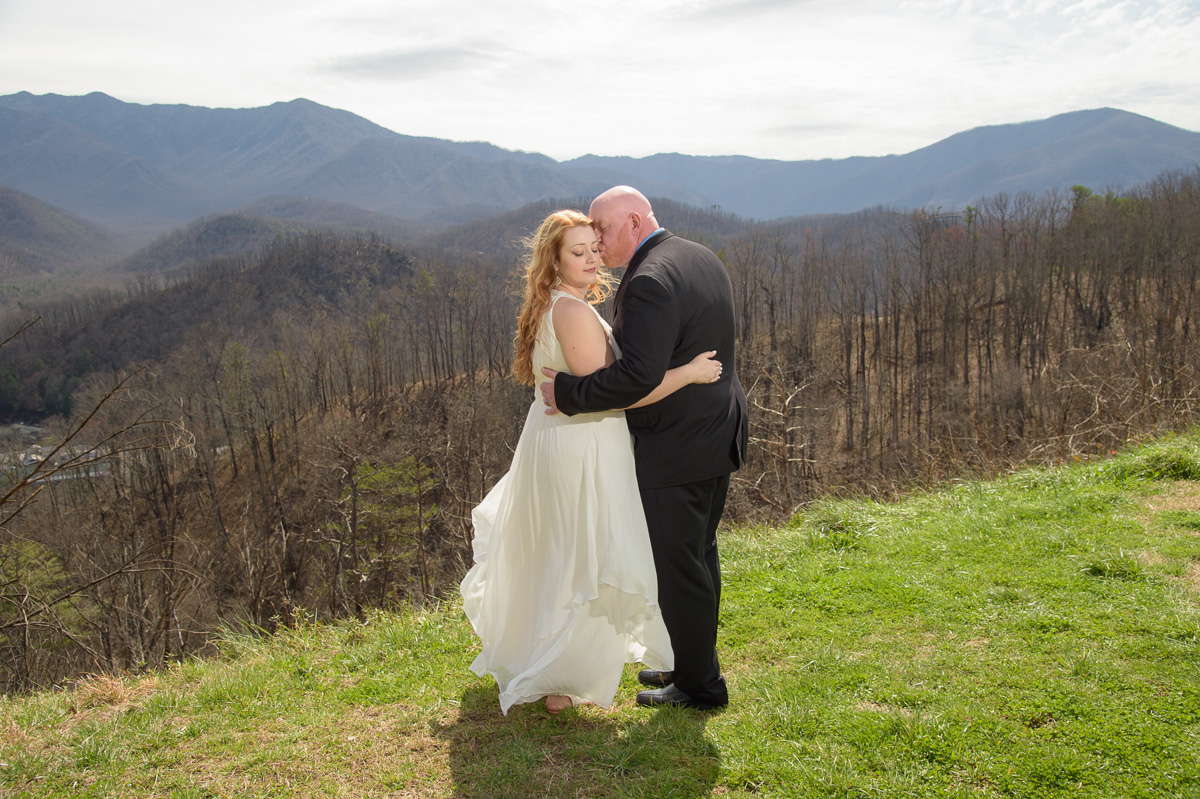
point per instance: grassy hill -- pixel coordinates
(1032, 636)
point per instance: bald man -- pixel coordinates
(674, 302)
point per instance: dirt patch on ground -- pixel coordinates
(364, 752)
(891, 710)
(1173, 512)
(1151, 558)
(1176, 495)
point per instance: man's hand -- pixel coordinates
(548, 391)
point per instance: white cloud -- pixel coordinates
(418, 64)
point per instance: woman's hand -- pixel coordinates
(704, 368)
(547, 389)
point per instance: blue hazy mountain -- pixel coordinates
(144, 169)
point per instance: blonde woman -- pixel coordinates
(563, 591)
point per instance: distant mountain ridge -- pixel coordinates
(148, 168)
(1102, 149)
(154, 167)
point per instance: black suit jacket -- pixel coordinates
(675, 301)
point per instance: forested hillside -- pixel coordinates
(38, 239)
(312, 423)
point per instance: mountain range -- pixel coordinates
(140, 170)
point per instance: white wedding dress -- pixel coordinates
(563, 591)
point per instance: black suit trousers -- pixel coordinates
(682, 521)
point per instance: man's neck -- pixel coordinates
(643, 241)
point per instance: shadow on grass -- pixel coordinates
(584, 752)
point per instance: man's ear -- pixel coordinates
(635, 223)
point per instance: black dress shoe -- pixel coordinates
(674, 697)
(656, 678)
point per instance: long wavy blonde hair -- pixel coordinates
(541, 271)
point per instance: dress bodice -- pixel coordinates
(548, 352)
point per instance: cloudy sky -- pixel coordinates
(787, 79)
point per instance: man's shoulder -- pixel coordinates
(675, 254)
(672, 247)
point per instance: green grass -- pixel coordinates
(1035, 636)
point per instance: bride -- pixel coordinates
(563, 592)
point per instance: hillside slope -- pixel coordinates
(306, 275)
(1031, 636)
(207, 239)
(37, 238)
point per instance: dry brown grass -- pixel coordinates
(12, 735)
(366, 753)
(108, 691)
(890, 710)
(1175, 495)
(1191, 577)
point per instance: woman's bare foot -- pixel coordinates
(557, 703)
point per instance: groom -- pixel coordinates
(674, 302)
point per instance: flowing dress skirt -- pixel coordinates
(563, 590)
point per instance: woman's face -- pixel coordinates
(578, 257)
